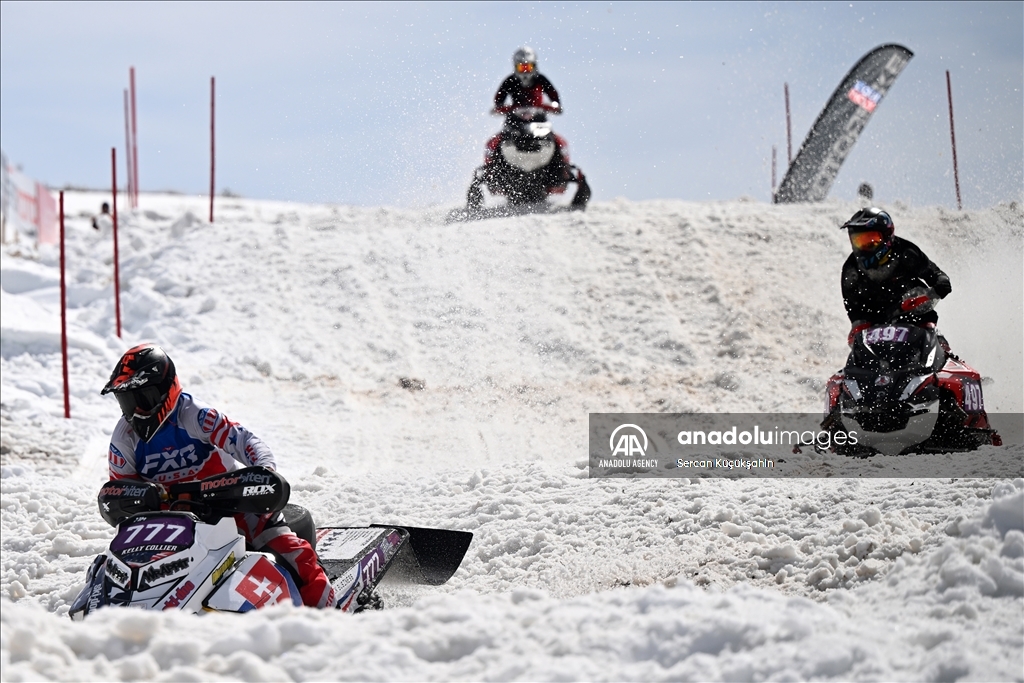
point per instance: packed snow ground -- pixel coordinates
(300, 321)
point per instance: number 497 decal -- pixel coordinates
(973, 403)
(889, 334)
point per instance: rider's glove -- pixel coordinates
(943, 286)
(858, 327)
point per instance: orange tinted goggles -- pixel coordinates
(866, 241)
(525, 67)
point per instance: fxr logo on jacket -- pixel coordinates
(181, 462)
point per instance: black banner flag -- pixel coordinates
(839, 124)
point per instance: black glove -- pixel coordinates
(943, 287)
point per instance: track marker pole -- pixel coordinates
(128, 150)
(117, 269)
(64, 316)
(952, 137)
(135, 143)
(213, 147)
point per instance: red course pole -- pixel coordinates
(212, 146)
(64, 316)
(135, 142)
(117, 269)
(789, 130)
(128, 151)
(952, 137)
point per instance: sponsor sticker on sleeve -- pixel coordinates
(207, 419)
(116, 460)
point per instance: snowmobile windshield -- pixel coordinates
(867, 241)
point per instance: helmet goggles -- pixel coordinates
(867, 240)
(143, 401)
(525, 67)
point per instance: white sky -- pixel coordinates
(387, 103)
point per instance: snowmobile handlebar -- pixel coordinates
(916, 302)
(918, 298)
(527, 113)
(255, 490)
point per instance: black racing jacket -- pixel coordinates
(525, 96)
(873, 301)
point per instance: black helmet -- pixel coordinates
(146, 387)
(871, 231)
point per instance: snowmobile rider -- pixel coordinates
(525, 87)
(166, 436)
(881, 270)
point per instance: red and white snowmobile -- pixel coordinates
(903, 391)
(179, 548)
(525, 163)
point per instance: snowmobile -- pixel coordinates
(525, 163)
(179, 548)
(903, 391)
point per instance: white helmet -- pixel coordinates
(524, 61)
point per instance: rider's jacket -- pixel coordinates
(195, 442)
(525, 96)
(871, 295)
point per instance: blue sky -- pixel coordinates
(382, 103)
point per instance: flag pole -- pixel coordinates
(789, 131)
(952, 137)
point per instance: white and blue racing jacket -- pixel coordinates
(195, 442)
